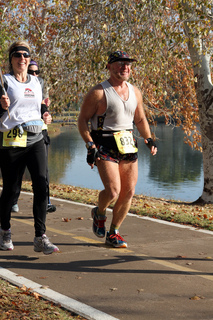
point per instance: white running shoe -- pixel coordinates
(43, 244)
(15, 208)
(5, 240)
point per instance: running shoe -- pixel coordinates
(115, 240)
(43, 244)
(15, 208)
(51, 208)
(5, 240)
(98, 226)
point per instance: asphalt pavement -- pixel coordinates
(165, 273)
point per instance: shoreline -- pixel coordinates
(186, 213)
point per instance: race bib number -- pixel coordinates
(125, 142)
(14, 138)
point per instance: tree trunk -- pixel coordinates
(204, 92)
(206, 125)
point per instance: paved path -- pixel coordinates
(156, 278)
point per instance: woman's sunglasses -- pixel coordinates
(33, 71)
(19, 55)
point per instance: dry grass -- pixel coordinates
(200, 216)
(19, 303)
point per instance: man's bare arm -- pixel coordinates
(89, 108)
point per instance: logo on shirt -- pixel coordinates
(28, 93)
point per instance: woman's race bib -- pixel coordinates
(14, 138)
(125, 142)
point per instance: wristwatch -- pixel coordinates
(89, 144)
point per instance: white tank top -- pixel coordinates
(25, 102)
(119, 113)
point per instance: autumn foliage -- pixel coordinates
(71, 41)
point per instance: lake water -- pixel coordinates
(174, 173)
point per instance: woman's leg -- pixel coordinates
(18, 188)
(12, 166)
(36, 165)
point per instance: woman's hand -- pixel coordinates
(47, 102)
(47, 118)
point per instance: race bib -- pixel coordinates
(125, 142)
(14, 138)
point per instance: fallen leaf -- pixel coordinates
(24, 288)
(196, 297)
(146, 205)
(140, 290)
(44, 287)
(66, 219)
(36, 295)
(173, 209)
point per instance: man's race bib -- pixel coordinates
(14, 138)
(125, 142)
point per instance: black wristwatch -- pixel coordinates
(90, 144)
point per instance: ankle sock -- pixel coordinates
(113, 228)
(99, 213)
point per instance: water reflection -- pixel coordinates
(176, 171)
(176, 161)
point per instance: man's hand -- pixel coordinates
(92, 156)
(151, 145)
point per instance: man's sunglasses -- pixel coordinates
(19, 55)
(33, 71)
(124, 63)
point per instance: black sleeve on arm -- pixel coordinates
(43, 109)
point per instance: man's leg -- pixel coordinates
(128, 177)
(109, 173)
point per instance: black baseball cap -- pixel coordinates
(119, 56)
